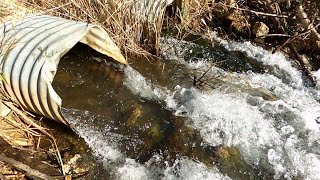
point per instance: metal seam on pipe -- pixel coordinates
(38, 42)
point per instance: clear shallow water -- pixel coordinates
(250, 117)
(281, 135)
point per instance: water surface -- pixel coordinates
(233, 111)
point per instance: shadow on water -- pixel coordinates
(148, 127)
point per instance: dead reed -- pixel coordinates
(18, 127)
(134, 25)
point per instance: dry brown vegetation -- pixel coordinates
(132, 28)
(293, 27)
(137, 30)
(19, 128)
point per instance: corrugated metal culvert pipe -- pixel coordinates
(148, 10)
(31, 49)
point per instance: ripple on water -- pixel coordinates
(281, 135)
(277, 135)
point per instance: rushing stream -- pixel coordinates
(224, 111)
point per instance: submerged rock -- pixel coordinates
(230, 83)
(77, 157)
(229, 156)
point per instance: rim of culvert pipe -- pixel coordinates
(31, 51)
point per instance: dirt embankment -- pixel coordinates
(286, 25)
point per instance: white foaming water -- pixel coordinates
(190, 170)
(281, 66)
(105, 146)
(142, 87)
(228, 119)
(281, 135)
(317, 77)
(103, 143)
(132, 170)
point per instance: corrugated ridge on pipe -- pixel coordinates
(31, 51)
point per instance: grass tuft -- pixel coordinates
(134, 25)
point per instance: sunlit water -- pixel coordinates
(250, 116)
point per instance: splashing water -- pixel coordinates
(281, 135)
(129, 134)
(264, 110)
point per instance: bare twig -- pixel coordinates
(276, 35)
(13, 176)
(258, 13)
(307, 24)
(24, 149)
(32, 173)
(304, 63)
(29, 121)
(294, 37)
(205, 72)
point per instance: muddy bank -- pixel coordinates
(24, 162)
(27, 157)
(289, 27)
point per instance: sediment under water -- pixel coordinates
(250, 116)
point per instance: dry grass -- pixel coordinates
(124, 20)
(12, 128)
(18, 127)
(191, 12)
(12, 9)
(134, 25)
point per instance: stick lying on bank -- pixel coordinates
(307, 24)
(32, 173)
(257, 12)
(2, 177)
(29, 121)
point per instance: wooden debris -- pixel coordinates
(308, 25)
(259, 13)
(12, 130)
(304, 63)
(31, 122)
(32, 173)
